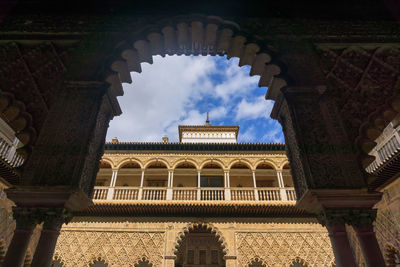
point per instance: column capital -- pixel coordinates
(27, 218)
(355, 217)
(54, 218)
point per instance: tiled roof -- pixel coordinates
(195, 146)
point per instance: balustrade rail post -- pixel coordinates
(170, 182)
(198, 186)
(255, 186)
(227, 190)
(140, 193)
(110, 193)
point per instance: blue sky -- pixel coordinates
(180, 90)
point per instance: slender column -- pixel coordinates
(281, 183)
(230, 260)
(362, 222)
(170, 182)
(169, 261)
(54, 218)
(26, 221)
(227, 188)
(334, 220)
(198, 186)
(110, 193)
(140, 194)
(255, 186)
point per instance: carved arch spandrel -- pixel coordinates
(246, 162)
(121, 163)
(218, 162)
(189, 160)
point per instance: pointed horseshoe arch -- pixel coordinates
(190, 227)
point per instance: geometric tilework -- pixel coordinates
(280, 249)
(80, 248)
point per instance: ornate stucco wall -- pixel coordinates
(123, 241)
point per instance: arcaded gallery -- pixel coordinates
(327, 194)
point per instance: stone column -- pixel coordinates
(255, 185)
(198, 185)
(140, 194)
(53, 220)
(230, 260)
(227, 186)
(334, 220)
(170, 183)
(110, 193)
(169, 261)
(281, 184)
(362, 223)
(26, 221)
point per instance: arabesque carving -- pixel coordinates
(78, 248)
(280, 248)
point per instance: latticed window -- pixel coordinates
(190, 256)
(214, 256)
(203, 257)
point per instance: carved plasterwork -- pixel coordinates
(198, 159)
(280, 249)
(365, 81)
(78, 248)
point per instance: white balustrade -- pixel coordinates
(291, 194)
(100, 192)
(195, 194)
(9, 154)
(154, 193)
(242, 194)
(126, 193)
(211, 193)
(269, 194)
(184, 193)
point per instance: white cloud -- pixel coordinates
(274, 134)
(161, 95)
(237, 82)
(259, 108)
(178, 90)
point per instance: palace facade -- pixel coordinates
(203, 201)
(332, 69)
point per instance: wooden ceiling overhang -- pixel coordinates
(209, 209)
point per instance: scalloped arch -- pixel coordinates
(124, 161)
(192, 35)
(299, 260)
(256, 260)
(144, 259)
(99, 258)
(179, 161)
(214, 230)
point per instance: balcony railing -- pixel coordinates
(9, 154)
(195, 193)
